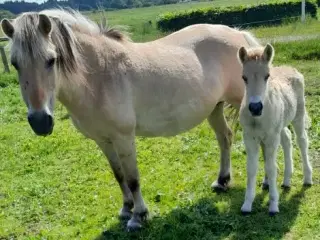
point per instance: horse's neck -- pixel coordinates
(79, 90)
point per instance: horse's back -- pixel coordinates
(195, 34)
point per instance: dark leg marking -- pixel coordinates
(224, 180)
(133, 185)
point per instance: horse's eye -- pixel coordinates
(15, 65)
(245, 79)
(50, 62)
(266, 77)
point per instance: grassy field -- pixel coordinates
(61, 187)
(137, 19)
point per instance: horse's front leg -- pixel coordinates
(271, 146)
(107, 147)
(126, 149)
(252, 149)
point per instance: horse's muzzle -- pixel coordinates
(256, 109)
(41, 123)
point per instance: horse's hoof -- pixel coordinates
(222, 184)
(216, 187)
(265, 186)
(133, 225)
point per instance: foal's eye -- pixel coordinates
(266, 77)
(15, 65)
(50, 62)
(245, 79)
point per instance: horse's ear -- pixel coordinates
(7, 28)
(242, 54)
(45, 25)
(268, 53)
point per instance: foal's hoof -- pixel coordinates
(272, 214)
(307, 185)
(245, 213)
(265, 186)
(285, 187)
(222, 184)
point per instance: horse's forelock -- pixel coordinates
(29, 43)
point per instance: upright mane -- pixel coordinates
(65, 24)
(255, 54)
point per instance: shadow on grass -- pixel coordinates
(205, 219)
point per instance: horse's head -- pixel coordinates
(256, 67)
(33, 55)
(42, 47)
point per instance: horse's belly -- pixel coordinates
(155, 123)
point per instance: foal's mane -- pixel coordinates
(66, 23)
(255, 54)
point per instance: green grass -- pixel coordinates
(61, 187)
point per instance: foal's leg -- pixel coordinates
(224, 136)
(126, 149)
(252, 149)
(116, 166)
(286, 144)
(265, 184)
(303, 143)
(272, 144)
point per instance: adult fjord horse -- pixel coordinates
(115, 89)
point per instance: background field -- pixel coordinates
(61, 187)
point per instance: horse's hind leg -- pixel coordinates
(116, 166)
(286, 144)
(303, 143)
(126, 149)
(224, 136)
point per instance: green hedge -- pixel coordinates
(248, 16)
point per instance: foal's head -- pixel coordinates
(256, 67)
(39, 47)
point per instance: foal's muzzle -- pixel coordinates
(41, 123)
(256, 108)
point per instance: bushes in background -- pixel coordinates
(248, 16)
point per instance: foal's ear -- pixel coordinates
(45, 25)
(242, 54)
(7, 28)
(268, 53)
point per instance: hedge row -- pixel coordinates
(248, 16)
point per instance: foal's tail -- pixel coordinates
(307, 121)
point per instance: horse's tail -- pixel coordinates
(233, 114)
(251, 39)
